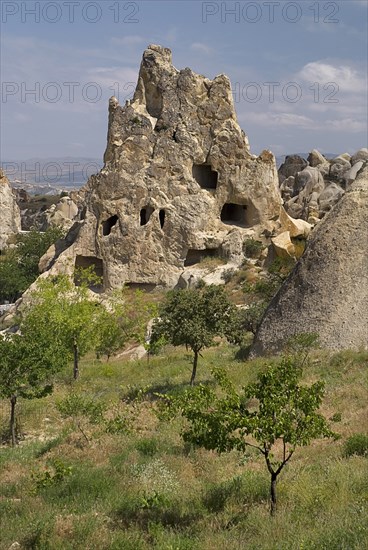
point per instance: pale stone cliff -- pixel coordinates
(178, 183)
(9, 211)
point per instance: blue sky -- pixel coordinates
(298, 69)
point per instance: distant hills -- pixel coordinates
(48, 176)
(51, 175)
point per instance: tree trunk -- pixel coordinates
(273, 494)
(13, 402)
(76, 361)
(194, 371)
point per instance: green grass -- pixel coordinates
(141, 487)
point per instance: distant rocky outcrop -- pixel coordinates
(9, 211)
(311, 188)
(62, 214)
(327, 292)
(40, 212)
(179, 183)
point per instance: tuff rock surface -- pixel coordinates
(327, 292)
(178, 184)
(311, 188)
(9, 211)
(62, 214)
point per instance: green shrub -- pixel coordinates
(120, 424)
(47, 478)
(81, 410)
(252, 248)
(38, 535)
(356, 444)
(228, 274)
(148, 446)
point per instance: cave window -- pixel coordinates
(234, 214)
(107, 225)
(205, 176)
(195, 256)
(87, 262)
(161, 215)
(145, 215)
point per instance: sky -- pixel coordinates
(298, 69)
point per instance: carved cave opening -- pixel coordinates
(107, 225)
(195, 256)
(243, 215)
(205, 176)
(161, 216)
(145, 215)
(86, 262)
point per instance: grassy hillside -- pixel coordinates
(135, 485)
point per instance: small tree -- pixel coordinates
(258, 296)
(19, 265)
(283, 416)
(123, 319)
(12, 279)
(193, 317)
(27, 366)
(66, 311)
(81, 410)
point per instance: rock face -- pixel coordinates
(327, 292)
(9, 211)
(178, 184)
(310, 189)
(62, 214)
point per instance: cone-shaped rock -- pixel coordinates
(178, 183)
(327, 292)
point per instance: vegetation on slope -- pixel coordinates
(97, 467)
(19, 265)
(133, 483)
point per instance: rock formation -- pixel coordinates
(9, 211)
(310, 189)
(62, 214)
(178, 184)
(327, 292)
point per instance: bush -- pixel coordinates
(19, 266)
(119, 424)
(252, 248)
(356, 444)
(228, 274)
(49, 477)
(148, 446)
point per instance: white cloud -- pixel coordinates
(278, 119)
(347, 78)
(107, 76)
(347, 125)
(200, 47)
(130, 40)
